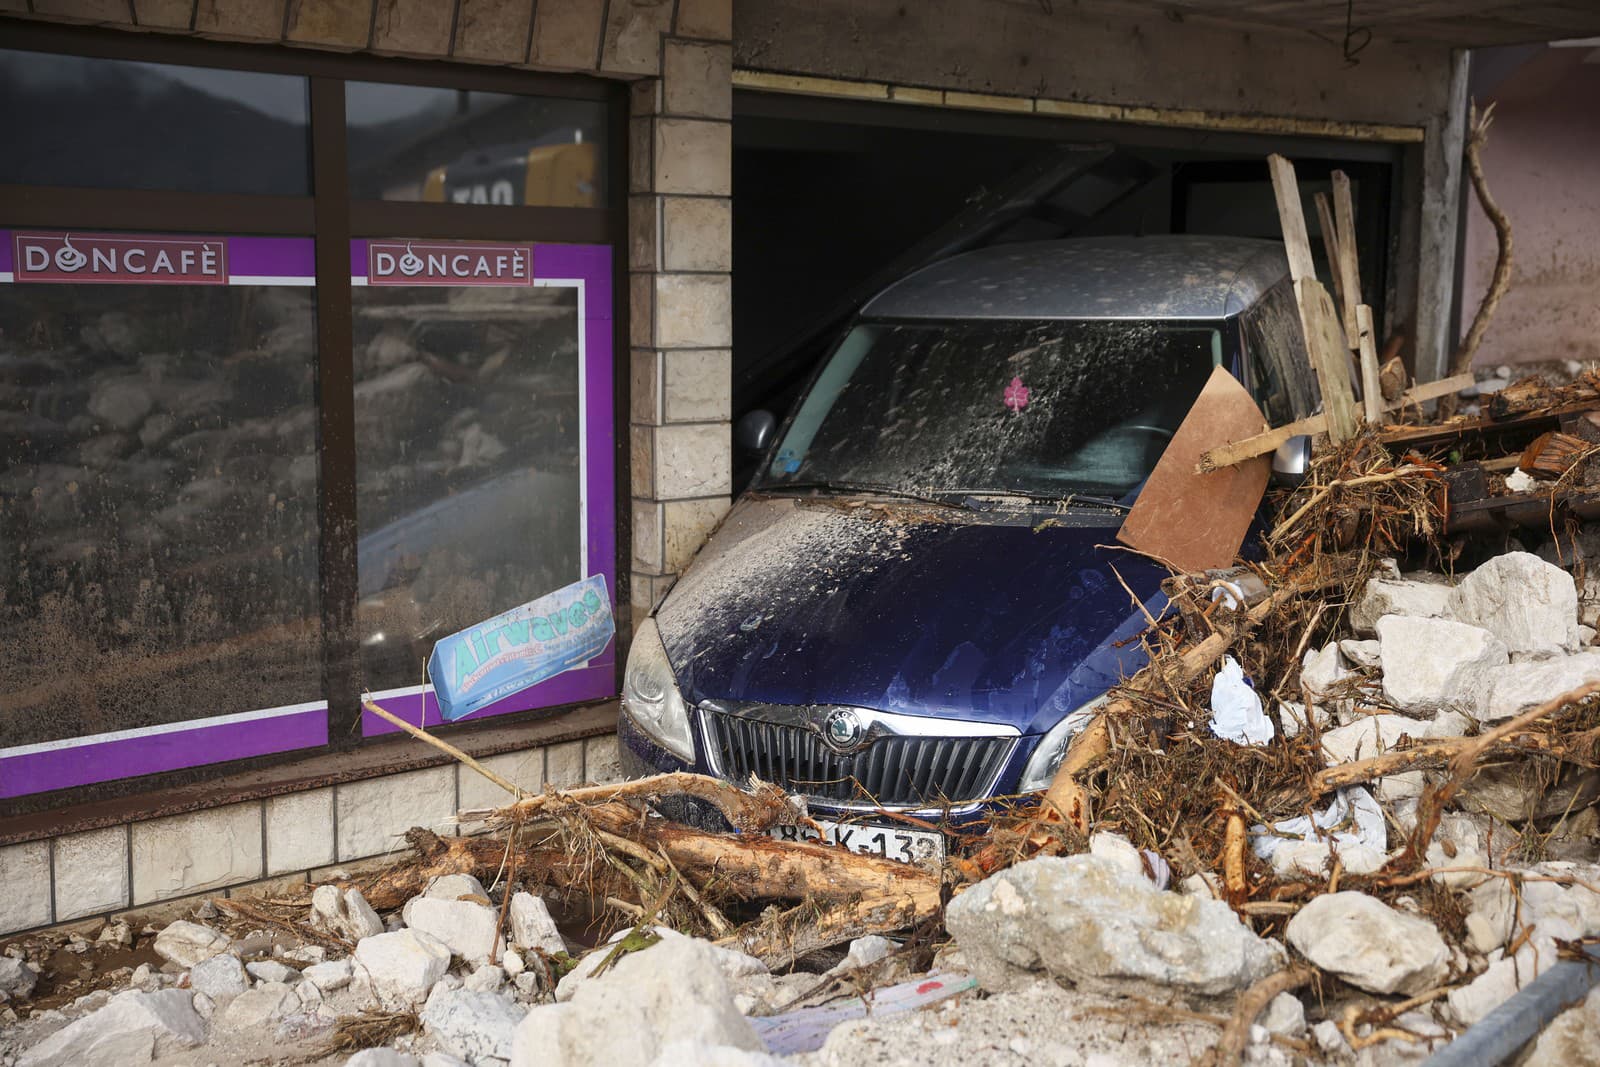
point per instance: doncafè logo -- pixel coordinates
(114, 258)
(429, 263)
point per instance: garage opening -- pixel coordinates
(834, 199)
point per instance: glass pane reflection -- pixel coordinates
(411, 142)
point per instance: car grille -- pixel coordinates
(899, 771)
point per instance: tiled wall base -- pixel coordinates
(284, 838)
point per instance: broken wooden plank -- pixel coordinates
(1552, 454)
(1325, 344)
(1194, 521)
(1330, 244)
(1371, 384)
(1318, 318)
(1295, 243)
(1262, 443)
(1347, 269)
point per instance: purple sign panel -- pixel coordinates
(432, 263)
(119, 259)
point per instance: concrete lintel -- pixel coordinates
(1187, 118)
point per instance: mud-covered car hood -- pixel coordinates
(1013, 619)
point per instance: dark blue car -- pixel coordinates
(913, 607)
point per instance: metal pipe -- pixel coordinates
(1500, 1034)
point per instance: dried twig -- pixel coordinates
(1477, 135)
(1236, 1034)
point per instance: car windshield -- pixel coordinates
(1043, 408)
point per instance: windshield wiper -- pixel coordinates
(1067, 500)
(862, 487)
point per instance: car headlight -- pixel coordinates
(650, 693)
(1046, 759)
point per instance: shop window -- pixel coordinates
(410, 142)
(245, 481)
(467, 447)
(129, 125)
(158, 483)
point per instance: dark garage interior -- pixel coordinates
(835, 200)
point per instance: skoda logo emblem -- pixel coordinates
(843, 730)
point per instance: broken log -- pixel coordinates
(1432, 755)
(763, 805)
(749, 867)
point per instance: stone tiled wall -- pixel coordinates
(680, 229)
(619, 37)
(285, 838)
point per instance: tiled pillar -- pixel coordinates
(680, 225)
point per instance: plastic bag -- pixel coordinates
(1236, 713)
(1351, 825)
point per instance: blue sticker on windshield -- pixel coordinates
(521, 648)
(789, 461)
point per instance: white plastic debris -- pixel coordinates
(1353, 821)
(1521, 482)
(1236, 713)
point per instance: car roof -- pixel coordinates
(1174, 276)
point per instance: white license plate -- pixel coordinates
(872, 839)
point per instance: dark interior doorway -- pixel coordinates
(834, 196)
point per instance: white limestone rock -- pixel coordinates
(401, 967)
(133, 1027)
(17, 979)
(266, 1003)
(1321, 671)
(466, 927)
(1459, 842)
(1517, 687)
(1086, 920)
(1284, 1015)
(455, 887)
(1294, 719)
(1530, 605)
(1372, 736)
(478, 1026)
(185, 943)
(1420, 596)
(864, 952)
(734, 964)
(1573, 1037)
(335, 974)
(1362, 653)
(381, 1057)
(273, 971)
(1491, 916)
(1433, 665)
(1118, 850)
(531, 925)
(486, 979)
(1470, 1003)
(344, 913)
(221, 978)
(672, 992)
(1369, 944)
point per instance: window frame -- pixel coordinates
(333, 220)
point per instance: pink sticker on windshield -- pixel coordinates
(1016, 395)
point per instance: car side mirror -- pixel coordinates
(754, 430)
(1292, 460)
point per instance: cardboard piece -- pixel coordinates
(1198, 521)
